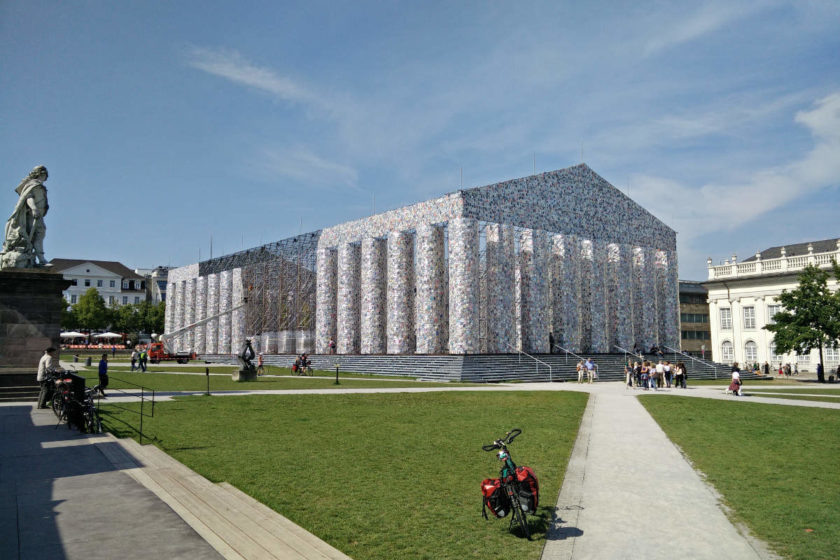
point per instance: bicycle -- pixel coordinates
(521, 501)
(90, 413)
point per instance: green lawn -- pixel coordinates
(826, 398)
(379, 476)
(180, 382)
(815, 390)
(776, 466)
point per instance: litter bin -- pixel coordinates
(87, 361)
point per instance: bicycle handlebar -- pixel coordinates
(500, 443)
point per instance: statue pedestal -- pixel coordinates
(245, 375)
(30, 315)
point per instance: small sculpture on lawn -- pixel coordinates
(23, 241)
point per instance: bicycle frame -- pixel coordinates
(507, 478)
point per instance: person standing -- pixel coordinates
(590, 369)
(133, 359)
(47, 364)
(103, 374)
(580, 372)
(260, 364)
(666, 368)
(143, 357)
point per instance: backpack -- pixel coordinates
(529, 489)
(493, 497)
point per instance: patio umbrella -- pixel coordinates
(107, 335)
(71, 334)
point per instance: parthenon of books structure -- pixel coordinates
(560, 257)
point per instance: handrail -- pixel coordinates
(579, 357)
(704, 362)
(550, 375)
(143, 398)
(626, 351)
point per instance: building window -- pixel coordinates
(726, 352)
(112, 283)
(832, 355)
(125, 300)
(74, 281)
(771, 312)
(73, 298)
(804, 358)
(136, 299)
(751, 352)
(87, 282)
(726, 319)
(695, 335)
(749, 317)
(110, 300)
(99, 283)
(773, 356)
(125, 284)
(694, 318)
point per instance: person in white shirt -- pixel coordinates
(47, 363)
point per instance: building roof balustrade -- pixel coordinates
(758, 267)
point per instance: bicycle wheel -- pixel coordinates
(92, 421)
(519, 515)
(57, 405)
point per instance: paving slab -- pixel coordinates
(630, 493)
(62, 498)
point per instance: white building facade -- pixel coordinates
(116, 283)
(743, 297)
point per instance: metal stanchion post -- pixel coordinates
(336, 374)
(207, 374)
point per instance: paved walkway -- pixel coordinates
(66, 495)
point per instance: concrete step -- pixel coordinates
(234, 523)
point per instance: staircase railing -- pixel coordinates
(626, 351)
(567, 352)
(689, 356)
(537, 360)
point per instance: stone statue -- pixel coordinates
(23, 245)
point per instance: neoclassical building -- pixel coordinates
(742, 300)
(560, 258)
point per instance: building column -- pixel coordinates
(400, 324)
(644, 300)
(463, 286)
(597, 303)
(585, 251)
(237, 316)
(567, 254)
(171, 303)
(533, 289)
(178, 316)
(189, 314)
(199, 342)
(212, 326)
(671, 301)
(225, 298)
(623, 321)
(430, 299)
(349, 284)
(499, 298)
(326, 294)
(373, 296)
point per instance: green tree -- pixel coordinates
(150, 317)
(126, 319)
(811, 315)
(91, 311)
(69, 320)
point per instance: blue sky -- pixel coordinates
(163, 124)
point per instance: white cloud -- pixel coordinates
(301, 165)
(725, 206)
(230, 65)
(707, 19)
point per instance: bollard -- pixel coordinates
(207, 374)
(336, 374)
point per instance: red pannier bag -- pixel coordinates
(529, 489)
(493, 497)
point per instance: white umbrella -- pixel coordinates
(71, 334)
(107, 335)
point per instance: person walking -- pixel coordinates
(47, 364)
(103, 374)
(133, 359)
(666, 368)
(143, 357)
(580, 369)
(590, 369)
(260, 365)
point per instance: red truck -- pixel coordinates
(159, 353)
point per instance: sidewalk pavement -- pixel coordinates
(630, 493)
(62, 498)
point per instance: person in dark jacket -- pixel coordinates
(103, 374)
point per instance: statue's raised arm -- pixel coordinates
(23, 240)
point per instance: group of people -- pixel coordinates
(302, 363)
(588, 368)
(139, 359)
(661, 375)
(49, 365)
